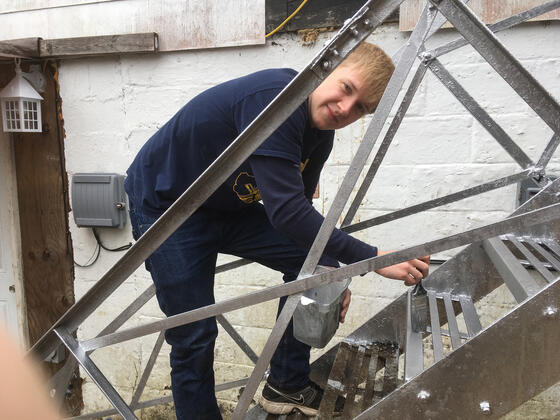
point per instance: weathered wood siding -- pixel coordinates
(490, 11)
(180, 25)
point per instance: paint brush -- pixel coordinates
(419, 310)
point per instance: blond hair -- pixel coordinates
(376, 67)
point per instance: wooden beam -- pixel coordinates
(23, 48)
(315, 14)
(98, 45)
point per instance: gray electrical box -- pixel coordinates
(98, 200)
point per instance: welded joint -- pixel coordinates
(426, 57)
(537, 173)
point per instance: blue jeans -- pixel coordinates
(182, 269)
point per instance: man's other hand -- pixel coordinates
(345, 304)
(411, 272)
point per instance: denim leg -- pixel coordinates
(182, 269)
(251, 236)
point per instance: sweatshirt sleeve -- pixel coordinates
(282, 191)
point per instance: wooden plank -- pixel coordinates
(24, 48)
(180, 25)
(335, 385)
(353, 380)
(98, 45)
(47, 255)
(490, 11)
(370, 381)
(11, 6)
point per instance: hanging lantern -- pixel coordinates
(21, 105)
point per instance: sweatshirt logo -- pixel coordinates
(246, 188)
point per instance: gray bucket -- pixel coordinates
(317, 314)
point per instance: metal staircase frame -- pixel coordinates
(390, 324)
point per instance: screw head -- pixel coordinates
(326, 64)
(335, 53)
(423, 395)
(367, 23)
(485, 408)
(426, 55)
(550, 312)
(354, 31)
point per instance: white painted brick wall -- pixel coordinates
(112, 105)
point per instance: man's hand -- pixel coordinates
(345, 304)
(411, 272)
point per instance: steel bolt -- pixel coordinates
(485, 408)
(426, 56)
(354, 31)
(367, 23)
(551, 312)
(335, 53)
(423, 395)
(326, 65)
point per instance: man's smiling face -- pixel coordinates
(340, 100)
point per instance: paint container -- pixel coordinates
(317, 315)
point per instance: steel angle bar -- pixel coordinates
(548, 151)
(130, 310)
(493, 366)
(437, 202)
(500, 26)
(478, 112)
(95, 374)
(382, 151)
(351, 34)
(384, 107)
(60, 380)
(438, 23)
(148, 369)
(144, 404)
(262, 364)
(511, 224)
(156, 401)
(505, 64)
(232, 265)
(237, 338)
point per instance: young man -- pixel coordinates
(282, 173)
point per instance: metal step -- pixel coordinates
(447, 305)
(354, 375)
(516, 277)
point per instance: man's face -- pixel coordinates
(339, 100)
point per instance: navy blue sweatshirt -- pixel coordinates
(283, 171)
